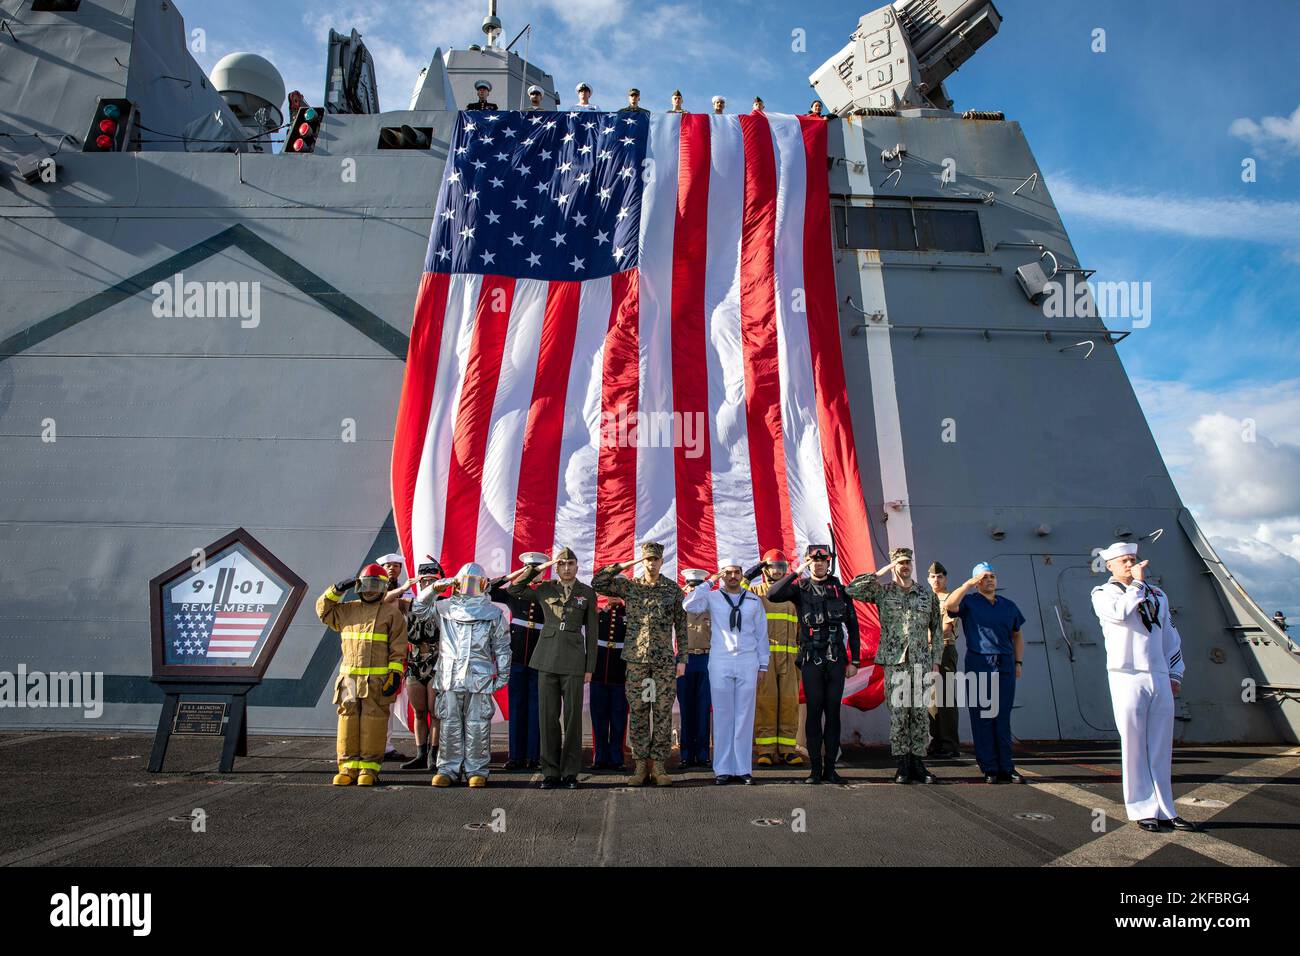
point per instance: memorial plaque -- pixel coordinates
(222, 612)
(198, 718)
(216, 619)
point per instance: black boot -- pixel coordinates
(420, 761)
(815, 777)
(904, 774)
(433, 757)
(919, 773)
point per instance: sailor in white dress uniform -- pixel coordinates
(1144, 661)
(738, 651)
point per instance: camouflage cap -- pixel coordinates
(565, 554)
(899, 553)
(652, 549)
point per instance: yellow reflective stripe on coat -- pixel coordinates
(782, 648)
(332, 595)
(399, 666)
(779, 616)
(362, 765)
(363, 636)
(363, 671)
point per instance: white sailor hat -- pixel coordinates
(535, 89)
(393, 558)
(694, 575)
(731, 563)
(1118, 550)
(719, 99)
(483, 85)
(582, 86)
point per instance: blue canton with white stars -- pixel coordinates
(541, 195)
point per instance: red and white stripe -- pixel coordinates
(730, 317)
(236, 634)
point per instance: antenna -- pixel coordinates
(492, 24)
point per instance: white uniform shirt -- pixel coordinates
(1129, 645)
(589, 108)
(752, 636)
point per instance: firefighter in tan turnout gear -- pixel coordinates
(373, 634)
(776, 712)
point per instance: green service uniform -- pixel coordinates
(943, 713)
(565, 652)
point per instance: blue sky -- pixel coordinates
(1142, 147)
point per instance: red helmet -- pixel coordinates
(373, 571)
(775, 554)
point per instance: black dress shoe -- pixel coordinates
(813, 778)
(594, 768)
(513, 764)
(1150, 824)
(992, 778)
(1010, 777)
(920, 774)
(747, 780)
(705, 764)
(685, 764)
(549, 783)
(722, 780)
(570, 781)
(946, 755)
(904, 774)
(534, 765)
(830, 776)
(1178, 823)
(395, 755)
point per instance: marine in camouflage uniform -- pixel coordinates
(911, 643)
(653, 606)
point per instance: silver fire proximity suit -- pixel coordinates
(473, 662)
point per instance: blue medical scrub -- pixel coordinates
(989, 650)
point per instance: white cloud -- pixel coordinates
(1199, 217)
(1268, 574)
(1245, 495)
(1249, 476)
(1272, 132)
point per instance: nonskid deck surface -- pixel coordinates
(82, 799)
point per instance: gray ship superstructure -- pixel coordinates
(136, 431)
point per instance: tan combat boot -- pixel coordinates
(659, 772)
(639, 775)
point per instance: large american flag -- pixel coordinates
(627, 331)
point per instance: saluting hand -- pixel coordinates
(1140, 570)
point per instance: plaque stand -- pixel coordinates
(233, 690)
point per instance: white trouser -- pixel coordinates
(733, 687)
(1144, 714)
(466, 741)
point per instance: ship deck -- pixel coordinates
(87, 800)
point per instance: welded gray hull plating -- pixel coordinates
(131, 438)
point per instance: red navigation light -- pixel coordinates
(305, 129)
(110, 127)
